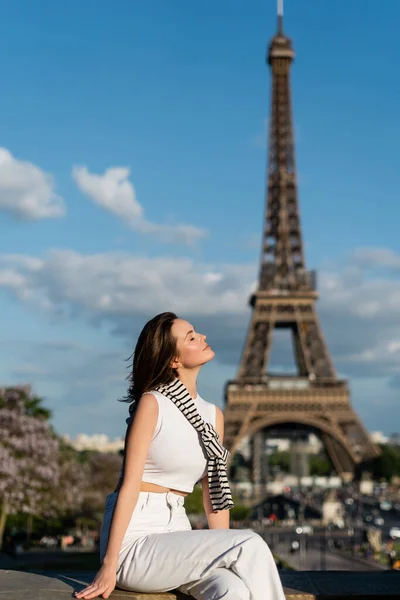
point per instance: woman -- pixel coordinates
(173, 440)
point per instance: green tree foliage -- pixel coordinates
(387, 464)
(319, 465)
(240, 512)
(194, 501)
(194, 505)
(103, 475)
(279, 459)
(239, 468)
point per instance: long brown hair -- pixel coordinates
(151, 359)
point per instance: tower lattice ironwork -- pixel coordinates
(285, 298)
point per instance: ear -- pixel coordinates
(176, 363)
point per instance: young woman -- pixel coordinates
(174, 439)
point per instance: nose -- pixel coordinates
(204, 337)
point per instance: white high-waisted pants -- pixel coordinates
(161, 552)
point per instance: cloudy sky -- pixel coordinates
(132, 169)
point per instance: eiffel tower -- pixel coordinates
(314, 399)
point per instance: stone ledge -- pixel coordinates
(299, 585)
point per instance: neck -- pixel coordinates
(189, 380)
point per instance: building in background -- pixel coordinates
(98, 442)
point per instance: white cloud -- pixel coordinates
(368, 258)
(360, 311)
(113, 191)
(114, 284)
(27, 192)
(360, 315)
(123, 291)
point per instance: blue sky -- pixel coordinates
(178, 93)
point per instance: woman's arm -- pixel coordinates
(137, 444)
(219, 520)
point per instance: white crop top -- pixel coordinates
(176, 459)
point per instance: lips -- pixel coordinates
(206, 348)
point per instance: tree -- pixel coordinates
(33, 404)
(240, 512)
(387, 464)
(319, 465)
(28, 455)
(194, 505)
(66, 499)
(103, 475)
(194, 501)
(279, 459)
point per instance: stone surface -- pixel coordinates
(299, 585)
(19, 585)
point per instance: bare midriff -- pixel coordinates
(153, 487)
(159, 489)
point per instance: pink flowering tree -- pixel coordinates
(66, 499)
(29, 455)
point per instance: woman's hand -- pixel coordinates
(102, 585)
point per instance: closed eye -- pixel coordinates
(191, 332)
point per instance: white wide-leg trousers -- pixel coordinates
(160, 552)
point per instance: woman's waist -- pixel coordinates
(169, 500)
(149, 487)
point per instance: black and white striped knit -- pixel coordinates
(220, 493)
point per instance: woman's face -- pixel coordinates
(192, 348)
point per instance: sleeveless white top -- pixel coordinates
(176, 459)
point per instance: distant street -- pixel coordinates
(316, 559)
(318, 551)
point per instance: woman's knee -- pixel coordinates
(256, 542)
(248, 535)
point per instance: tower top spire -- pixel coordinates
(280, 16)
(280, 46)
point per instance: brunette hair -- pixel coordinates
(151, 360)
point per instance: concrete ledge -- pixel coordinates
(299, 585)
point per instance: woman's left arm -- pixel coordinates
(219, 520)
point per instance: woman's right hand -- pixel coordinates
(102, 585)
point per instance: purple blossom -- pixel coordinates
(28, 454)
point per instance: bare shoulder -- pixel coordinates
(148, 407)
(148, 399)
(146, 414)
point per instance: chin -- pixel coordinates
(210, 355)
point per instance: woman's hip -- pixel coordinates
(153, 513)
